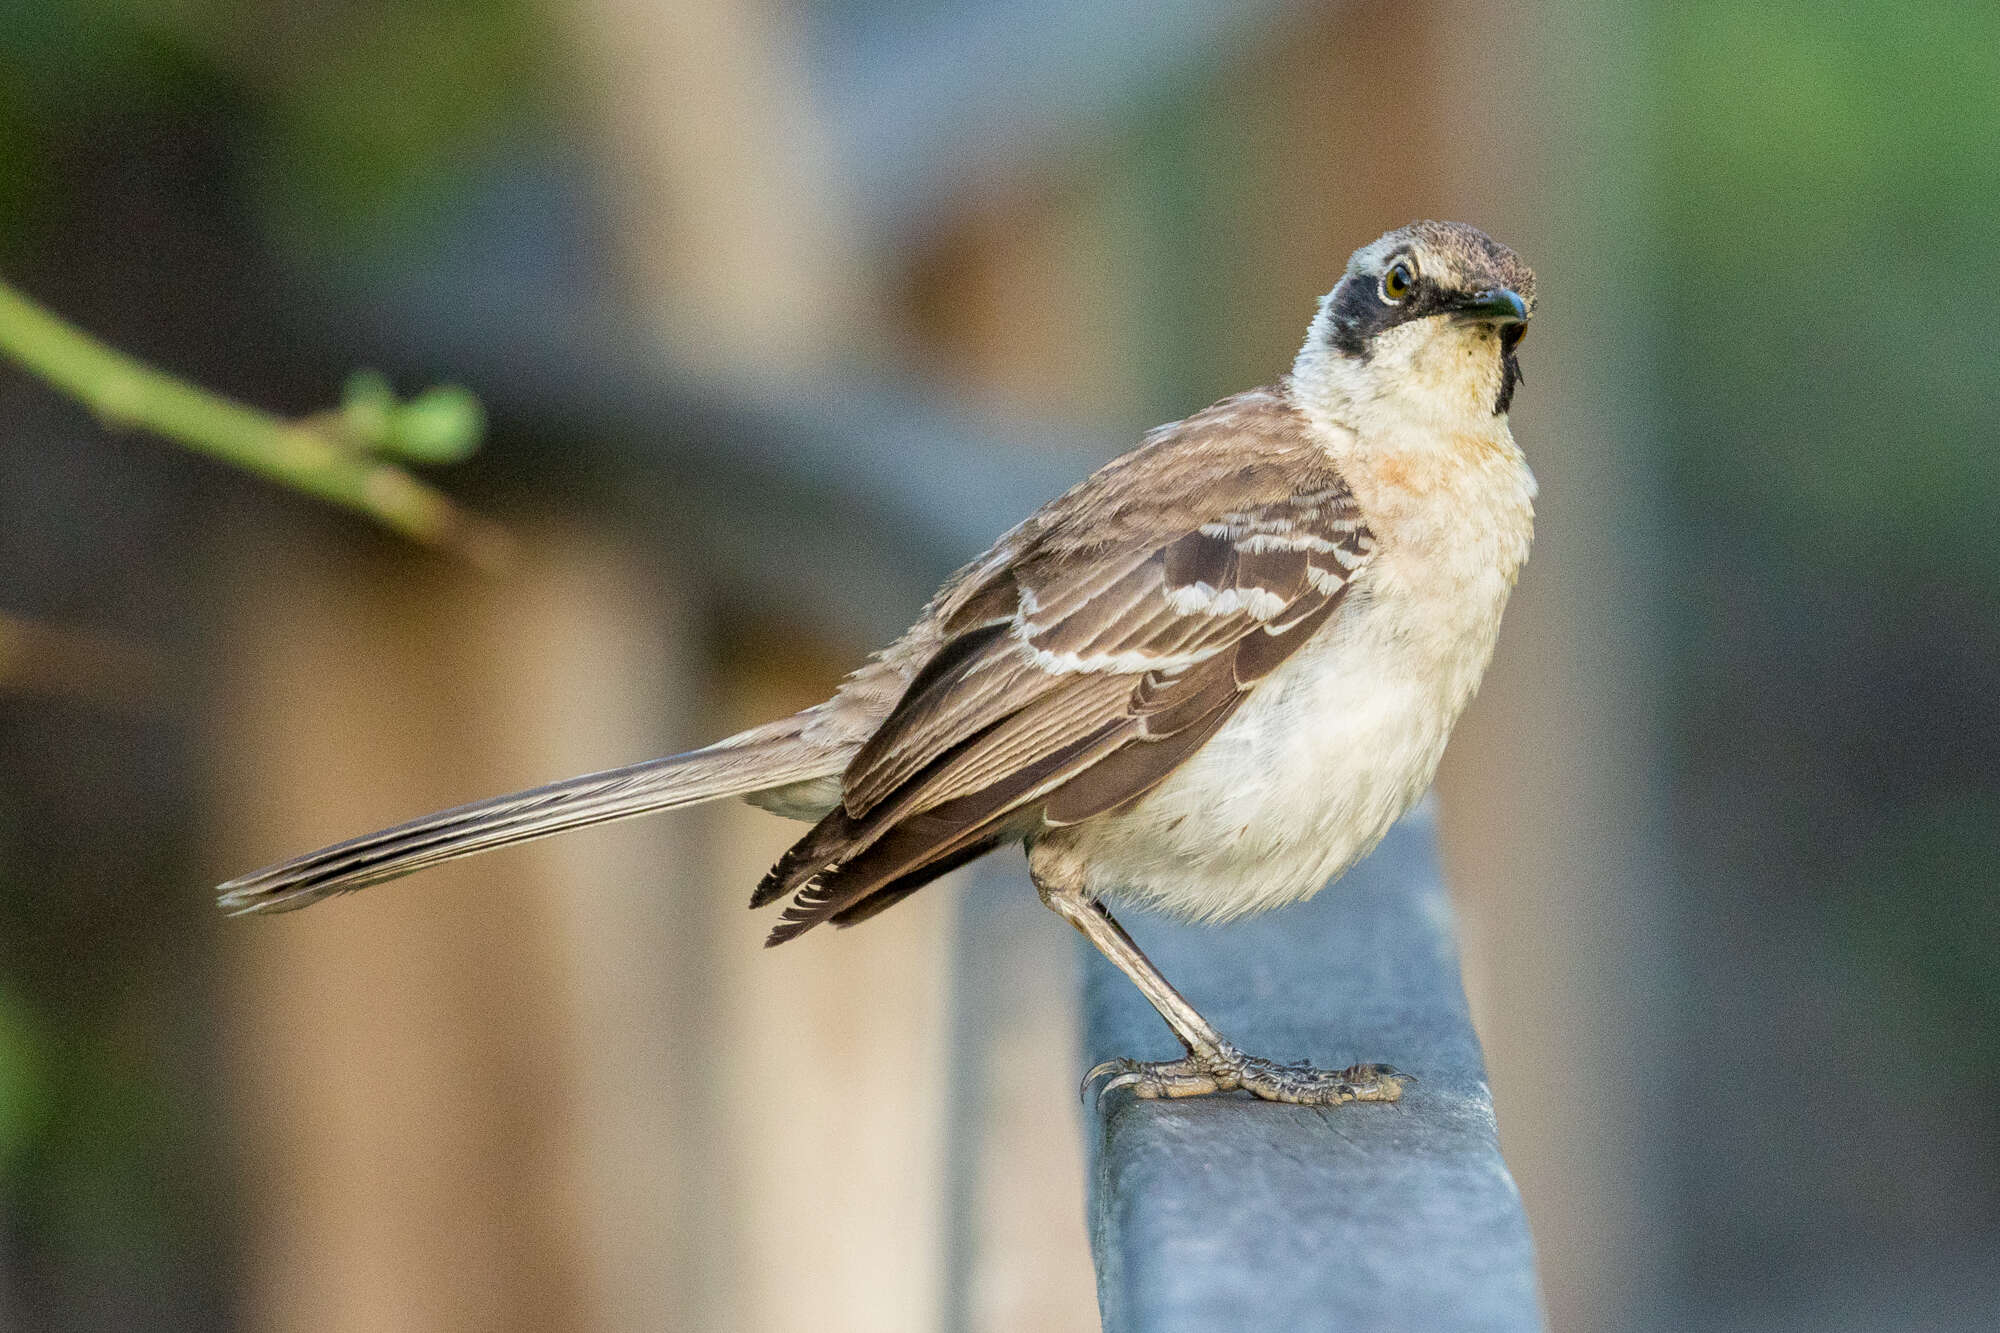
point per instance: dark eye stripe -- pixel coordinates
(1359, 310)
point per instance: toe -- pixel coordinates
(1379, 1083)
(1369, 1072)
(1322, 1087)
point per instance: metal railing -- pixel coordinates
(1226, 1212)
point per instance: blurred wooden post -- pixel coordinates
(822, 1143)
(598, 661)
(460, 1095)
(732, 224)
(1552, 813)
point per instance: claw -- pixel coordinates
(1129, 1079)
(1108, 1067)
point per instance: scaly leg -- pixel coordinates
(1211, 1064)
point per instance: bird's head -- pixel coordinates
(1426, 323)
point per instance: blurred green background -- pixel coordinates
(265, 194)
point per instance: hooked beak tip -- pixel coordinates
(1498, 306)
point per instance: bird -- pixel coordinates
(1205, 680)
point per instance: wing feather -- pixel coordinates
(1116, 632)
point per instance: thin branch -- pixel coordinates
(316, 455)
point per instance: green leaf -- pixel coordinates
(440, 425)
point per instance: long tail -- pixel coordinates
(756, 761)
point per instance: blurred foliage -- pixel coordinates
(23, 1085)
(343, 128)
(99, 1111)
(1923, 897)
(112, 1187)
(1830, 182)
(442, 424)
(1833, 182)
(341, 457)
(359, 117)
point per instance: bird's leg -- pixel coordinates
(1211, 1063)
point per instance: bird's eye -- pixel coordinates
(1396, 283)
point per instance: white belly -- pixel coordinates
(1302, 781)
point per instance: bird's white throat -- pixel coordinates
(1433, 379)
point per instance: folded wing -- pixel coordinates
(1125, 624)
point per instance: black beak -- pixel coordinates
(1499, 306)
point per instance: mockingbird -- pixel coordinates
(1206, 680)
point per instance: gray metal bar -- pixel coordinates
(1226, 1212)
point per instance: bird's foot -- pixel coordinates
(1228, 1068)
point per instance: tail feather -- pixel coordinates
(755, 762)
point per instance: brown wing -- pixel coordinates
(1126, 624)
